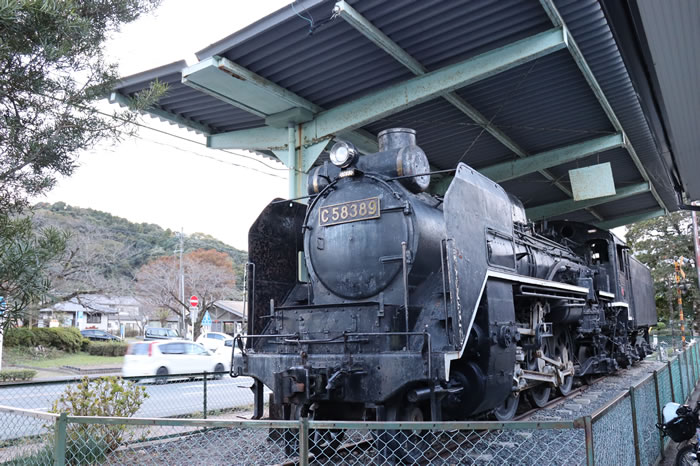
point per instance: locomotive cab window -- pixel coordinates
(599, 252)
(621, 257)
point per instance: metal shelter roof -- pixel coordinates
(522, 90)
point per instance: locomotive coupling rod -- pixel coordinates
(553, 362)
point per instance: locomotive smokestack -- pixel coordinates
(396, 138)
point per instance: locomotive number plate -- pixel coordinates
(352, 211)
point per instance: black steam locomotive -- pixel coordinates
(379, 301)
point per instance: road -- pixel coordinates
(168, 400)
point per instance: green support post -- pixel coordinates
(588, 427)
(304, 441)
(59, 451)
(204, 411)
(658, 411)
(670, 378)
(635, 428)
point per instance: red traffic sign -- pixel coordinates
(194, 301)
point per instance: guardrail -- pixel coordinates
(623, 432)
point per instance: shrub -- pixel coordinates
(104, 396)
(64, 338)
(100, 348)
(660, 325)
(16, 374)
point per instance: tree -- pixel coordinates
(54, 68)
(208, 274)
(25, 255)
(657, 243)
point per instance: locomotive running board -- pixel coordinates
(496, 274)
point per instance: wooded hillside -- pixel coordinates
(121, 247)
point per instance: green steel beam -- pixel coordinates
(515, 168)
(582, 64)
(382, 41)
(414, 91)
(121, 99)
(223, 78)
(629, 219)
(569, 205)
(263, 138)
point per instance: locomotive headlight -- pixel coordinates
(343, 154)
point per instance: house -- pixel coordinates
(228, 317)
(100, 312)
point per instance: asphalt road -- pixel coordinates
(167, 400)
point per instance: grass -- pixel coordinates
(52, 358)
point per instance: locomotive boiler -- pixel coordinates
(380, 301)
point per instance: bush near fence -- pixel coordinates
(63, 338)
(103, 348)
(13, 375)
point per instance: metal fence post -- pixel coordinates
(635, 430)
(59, 451)
(588, 427)
(204, 410)
(658, 411)
(680, 377)
(304, 441)
(670, 378)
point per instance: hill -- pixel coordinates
(116, 248)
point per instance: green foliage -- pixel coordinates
(105, 396)
(25, 255)
(62, 338)
(16, 374)
(657, 243)
(660, 325)
(103, 348)
(53, 69)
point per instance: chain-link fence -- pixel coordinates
(623, 432)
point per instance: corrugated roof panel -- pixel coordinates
(628, 206)
(541, 105)
(523, 189)
(674, 38)
(593, 36)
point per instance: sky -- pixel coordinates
(159, 178)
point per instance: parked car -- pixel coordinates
(99, 335)
(213, 340)
(158, 333)
(227, 350)
(164, 358)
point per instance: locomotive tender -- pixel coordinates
(380, 301)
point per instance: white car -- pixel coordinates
(163, 358)
(214, 340)
(228, 350)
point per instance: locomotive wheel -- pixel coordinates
(404, 446)
(539, 394)
(506, 411)
(564, 349)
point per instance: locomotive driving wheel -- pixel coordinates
(539, 394)
(564, 351)
(506, 411)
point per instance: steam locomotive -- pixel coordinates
(380, 301)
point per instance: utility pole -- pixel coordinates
(677, 264)
(182, 285)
